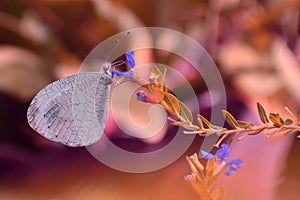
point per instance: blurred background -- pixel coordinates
(255, 44)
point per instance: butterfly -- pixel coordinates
(74, 110)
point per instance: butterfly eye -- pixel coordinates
(106, 66)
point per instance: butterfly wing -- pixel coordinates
(72, 110)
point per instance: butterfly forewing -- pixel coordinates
(72, 110)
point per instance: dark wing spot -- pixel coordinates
(51, 114)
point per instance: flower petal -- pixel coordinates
(223, 153)
(233, 166)
(127, 74)
(205, 155)
(189, 177)
(117, 73)
(130, 59)
(141, 96)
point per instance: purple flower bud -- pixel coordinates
(189, 177)
(130, 59)
(223, 153)
(141, 96)
(233, 166)
(117, 73)
(205, 155)
(128, 74)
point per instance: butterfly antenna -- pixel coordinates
(117, 44)
(117, 64)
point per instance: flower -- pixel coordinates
(142, 96)
(117, 73)
(233, 165)
(223, 153)
(130, 60)
(189, 177)
(205, 155)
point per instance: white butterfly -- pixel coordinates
(73, 110)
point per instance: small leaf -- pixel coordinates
(271, 133)
(273, 117)
(172, 103)
(158, 91)
(195, 160)
(288, 122)
(230, 119)
(163, 80)
(201, 190)
(158, 77)
(188, 126)
(156, 73)
(281, 120)
(276, 119)
(211, 166)
(205, 122)
(232, 139)
(262, 113)
(177, 123)
(200, 124)
(245, 125)
(289, 132)
(192, 166)
(242, 124)
(211, 181)
(218, 193)
(185, 112)
(171, 120)
(257, 131)
(200, 178)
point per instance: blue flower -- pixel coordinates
(130, 63)
(130, 60)
(141, 96)
(205, 155)
(233, 166)
(117, 73)
(223, 153)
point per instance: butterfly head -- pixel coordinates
(106, 74)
